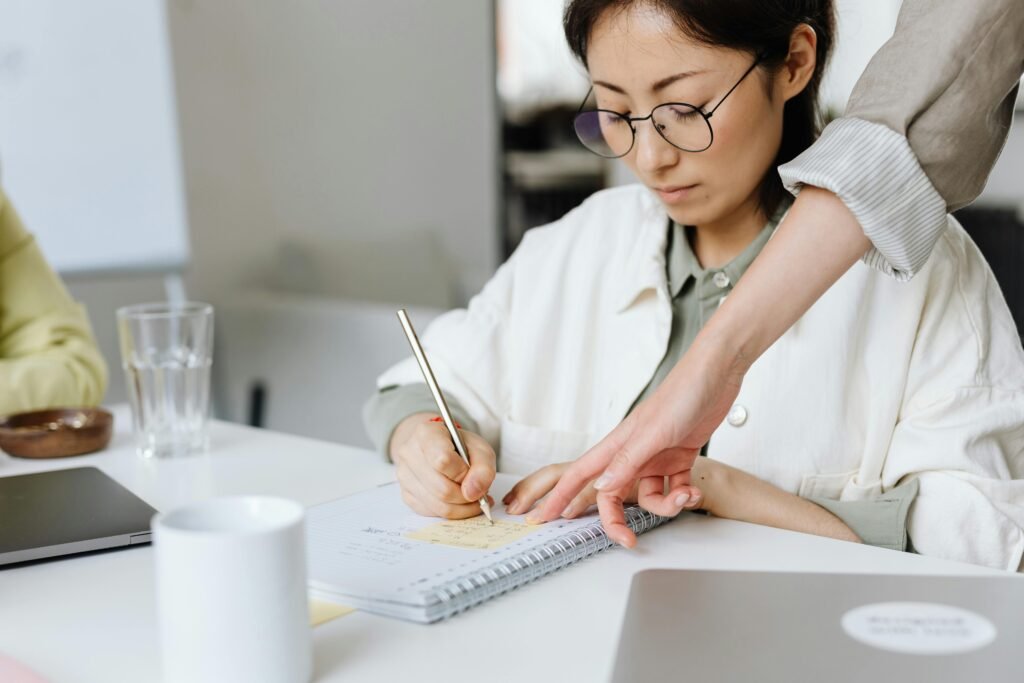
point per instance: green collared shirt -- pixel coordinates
(696, 293)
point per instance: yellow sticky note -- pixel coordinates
(476, 533)
(321, 612)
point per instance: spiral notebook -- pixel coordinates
(370, 551)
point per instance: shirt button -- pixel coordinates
(721, 280)
(737, 415)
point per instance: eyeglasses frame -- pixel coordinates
(631, 119)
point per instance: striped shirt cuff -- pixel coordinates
(873, 170)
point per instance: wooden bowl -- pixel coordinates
(56, 433)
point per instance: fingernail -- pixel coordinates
(602, 481)
(568, 511)
(534, 520)
(681, 500)
(472, 490)
(512, 506)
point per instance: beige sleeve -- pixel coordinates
(947, 81)
(923, 127)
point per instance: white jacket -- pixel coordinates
(879, 382)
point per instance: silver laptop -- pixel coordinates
(759, 626)
(62, 512)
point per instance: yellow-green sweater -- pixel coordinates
(48, 356)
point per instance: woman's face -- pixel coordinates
(638, 59)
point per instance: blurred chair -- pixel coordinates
(412, 268)
(999, 234)
(305, 365)
(302, 355)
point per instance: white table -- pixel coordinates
(91, 618)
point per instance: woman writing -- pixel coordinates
(922, 131)
(889, 411)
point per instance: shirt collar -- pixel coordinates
(683, 263)
(643, 266)
(643, 258)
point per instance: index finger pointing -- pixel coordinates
(577, 476)
(584, 470)
(613, 518)
(621, 455)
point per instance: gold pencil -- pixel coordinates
(442, 405)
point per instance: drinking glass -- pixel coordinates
(166, 353)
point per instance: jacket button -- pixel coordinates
(720, 279)
(737, 416)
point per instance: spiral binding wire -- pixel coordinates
(466, 591)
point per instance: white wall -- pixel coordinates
(313, 118)
(327, 122)
(863, 27)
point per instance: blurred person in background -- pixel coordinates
(48, 356)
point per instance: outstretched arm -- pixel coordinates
(816, 243)
(891, 169)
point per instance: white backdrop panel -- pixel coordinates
(89, 147)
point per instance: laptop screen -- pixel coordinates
(785, 626)
(48, 514)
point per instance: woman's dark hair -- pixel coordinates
(760, 27)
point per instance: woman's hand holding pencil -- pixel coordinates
(435, 482)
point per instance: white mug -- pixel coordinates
(231, 591)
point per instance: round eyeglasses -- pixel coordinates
(612, 135)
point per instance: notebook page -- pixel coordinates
(372, 547)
